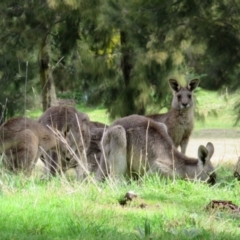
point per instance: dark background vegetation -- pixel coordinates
(118, 54)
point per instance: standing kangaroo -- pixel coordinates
(150, 149)
(75, 128)
(22, 141)
(180, 118)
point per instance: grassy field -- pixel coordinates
(66, 209)
(163, 209)
(216, 110)
(63, 208)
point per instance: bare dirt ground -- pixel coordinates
(226, 144)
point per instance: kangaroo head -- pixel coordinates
(77, 137)
(207, 171)
(183, 96)
(97, 133)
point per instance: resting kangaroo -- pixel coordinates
(150, 149)
(94, 152)
(94, 124)
(75, 126)
(22, 141)
(113, 155)
(180, 119)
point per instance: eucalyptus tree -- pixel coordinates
(183, 39)
(211, 29)
(148, 54)
(121, 53)
(26, 27)
(84, 47)
(57, 33)
(212, 49)
(17, 64)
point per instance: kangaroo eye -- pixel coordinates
(189, 96)
(179, 97)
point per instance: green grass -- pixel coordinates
(95, 113)
(216, 110)
(59, 209)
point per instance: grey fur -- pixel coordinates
(180, 118)
(150, 149)
(75, 127)
(94, 152)
(114, 149)
(23, 141)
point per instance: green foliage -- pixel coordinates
(118, 54)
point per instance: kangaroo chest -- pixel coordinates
(180, 128)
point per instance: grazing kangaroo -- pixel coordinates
(150, 149)
(75, 126)
(22, 141)
(94, 151)
(180, 118)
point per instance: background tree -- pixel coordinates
(121, 53)
(17, 67)
(26, 28)
(148, 54)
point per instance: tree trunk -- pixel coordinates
(46, 79)
(126, 66)
(126, 58)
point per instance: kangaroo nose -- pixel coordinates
(212, 179)
(68, 159)
(184, 104)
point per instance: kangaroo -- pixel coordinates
(94, 124)
(180, 118)
(94, 151)
(113, 154)
(75, 126)
(150, 149)
(22, 141)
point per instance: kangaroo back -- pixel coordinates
(22, 140)
(74, 126)
(150, 149)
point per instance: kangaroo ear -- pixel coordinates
(202, 153)
(210, 149)
(65, 130)
(86, 120)
(175, 86)
(193, 84)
